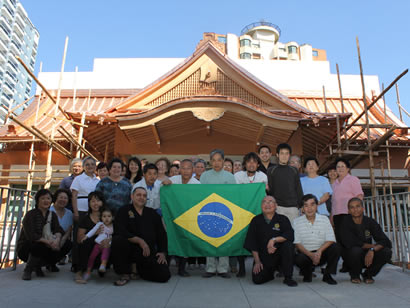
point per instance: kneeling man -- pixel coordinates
(315, 242)
(141, 240)
(359, 234)
(270, 240)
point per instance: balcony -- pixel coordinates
(7, 13)
(11, 76)
(12, 3)
(12, 67)
(18, 30)
(17, 39)
(14, 49)
(8, 88)
(20, 20)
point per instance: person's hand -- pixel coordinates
(161, 259)
(316, 257)
(271, 246)
(257, 267)
(145, 248)
(84, 239)
(55, 244)
(166, 182)
(100, 230)
(368, 259)
(105, 243)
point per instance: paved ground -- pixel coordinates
(392, 289)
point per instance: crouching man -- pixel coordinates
(270, 240)
(315, 242)
(365, 244)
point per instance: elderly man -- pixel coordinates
(76, 168)
(265, 155)
(296, 161)
(359, 234)
(186, 170)
(270, 240)
(315, 242)
(140, 239)
(217, 176)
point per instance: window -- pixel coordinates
(292, 49)
(222, 39)
(245, 42)
(315, 53)
(245, 55)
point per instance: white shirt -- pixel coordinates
(243, 178)
(313, 236)
(84, 185)
(177, 179)
(153, 200)
(107, 232)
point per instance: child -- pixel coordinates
(106, 224)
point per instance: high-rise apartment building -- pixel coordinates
(18, 37)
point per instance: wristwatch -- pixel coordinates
(372, 249)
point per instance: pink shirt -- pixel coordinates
(343, 191)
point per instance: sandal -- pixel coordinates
(122, 281)
(355, 280)
(368, 280)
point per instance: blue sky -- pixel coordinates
(126, 28)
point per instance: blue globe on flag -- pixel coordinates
(215, 219)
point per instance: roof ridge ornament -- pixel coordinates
(208, 114)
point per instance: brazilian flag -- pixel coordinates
(209, 219)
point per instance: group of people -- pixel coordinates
(110, 214)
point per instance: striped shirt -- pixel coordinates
(313, 236)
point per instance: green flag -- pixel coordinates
(209, 220)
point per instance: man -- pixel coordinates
(270, 240)
(151, 185)
(296, 162)
(251, 161)
(217, 176)
(76, 168)
(265, 155)
(359, 234)
(140, 239)
(315, 242)
(284, 184)
(186, 170)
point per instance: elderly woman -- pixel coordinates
(65, 218)
(39, 243)
(163, 164)
(115, 188)
(80, 188)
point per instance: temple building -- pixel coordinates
(233, 92)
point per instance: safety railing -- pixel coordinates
(392, 212)
(14, 204)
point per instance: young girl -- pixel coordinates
(106, 224)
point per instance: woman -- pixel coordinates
(96, 204)
(332, 176)
(134, 170)
(199, 168)
(102, 170)
(65, 218)
(163, 164)
(345, 187)
(39, 245)
(228, 165)
(115, 188)
(316, 185)
(80, 188)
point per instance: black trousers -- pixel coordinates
(43, 252)
(330, 257)
(75, 254)
(124, 253)
(355, 259)
(199, 260)
(283, 256)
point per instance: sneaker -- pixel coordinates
(290, 282)
(328, 279)
(102, 268)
